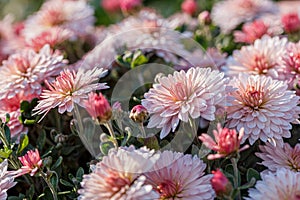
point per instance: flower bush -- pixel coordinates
(150, 99)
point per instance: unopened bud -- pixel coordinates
(138, 114)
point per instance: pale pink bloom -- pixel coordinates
(291, 22)
(226, 142)
(110, 5)
(183, 95)
(69, 87)
(98, 107)
(53, 37)
(138, 114)
(127, 5)
(283, 184)
(27, 70)
(204, 17)
(31, 162)
(229, 14)
(220, 183)
(263, 106)
(74, 16)
(189, 6)
(263, 57)
(251, 31)
(12, 107)
(291, 63)
(275, 157)
(6, 179)
(119, 176)
(178, 176)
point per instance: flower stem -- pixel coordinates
(111, 132)
(234, 162)
(52, 189)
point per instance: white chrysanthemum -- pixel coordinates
(229, 14)
(263, 57)
(283, 184)
(118, 176)
(27, 70)
(195, 93)
(263, 106)
(178, 176)
(6, 179)
(275, 157)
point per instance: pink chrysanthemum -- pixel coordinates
(229, 14)
(291, 63)
(263, 106)
(53, 37)
(6, 179)
(263, 57)
(69, 88)
(275, 157)
(118, 176)
(283, 184)
(183, 95)
(179, 176)
(251, 31)
(74, 16)
(227, 142)
(291, 22)
(12, 107)
(26, 71)
(31, 162)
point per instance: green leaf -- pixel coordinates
(54, 180)
(66, 183)
(152, 143)
(252, 173)
(106, 146)
(7, 118)
(79, 174)
(250, 184)
(25, 106)
(41, 140)
(57, 163)
(138, 59)
(29, 121)
(24, 141)
(5, 153)
(7, 133)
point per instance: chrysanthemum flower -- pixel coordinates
(263, 106)
(251, 31)
(31, 162)
(194, 93)
(291, 63)
(6, 179)
(118, 176)
(263, 57)
(291, 22)
(179, 176)
(74, 16)
(98, 107)
(12, 107)
(283, 184)
(275, 157)
(189, 6)
(229, 14)
(227, 142)
(26, 71)
(69, 88)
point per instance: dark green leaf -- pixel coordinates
(41, 139)
(106, 146)
(249, 184)
(252, 173)
(66, 183)
(25, 106)
(54, 180)
(57, 163)
(79, 173)
(24, 141)
(7, 133)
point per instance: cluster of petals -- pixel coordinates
(229, 14)
(264, 107)
(31, 162)
(6, 179)
(119, 176)
(275, 157)
(263, 58)
(27, 70)
(227, 142)
(183, 95)
(69, 87)
(12, 107)
(282, 184)
(74, 16)
(179, 176)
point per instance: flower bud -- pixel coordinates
(138, 114)
(189, 6)
(98, 107)
(204, 18)
(220, 183)
(291, 22)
